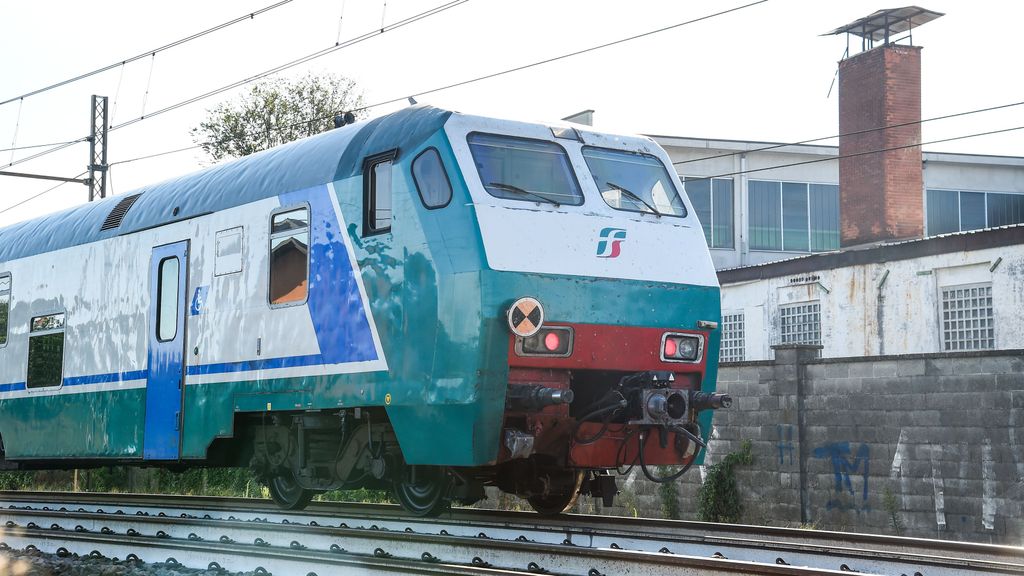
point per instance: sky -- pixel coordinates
(759, 73)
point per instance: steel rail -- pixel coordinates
(595, 535)
(196, 554)
(191, 541)
(568, 524)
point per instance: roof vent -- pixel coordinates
(117, 214)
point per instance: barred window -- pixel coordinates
(800, 323)
(967, 319)
(733, 341)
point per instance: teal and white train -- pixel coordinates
(428, 301)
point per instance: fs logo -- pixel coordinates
(608, 245)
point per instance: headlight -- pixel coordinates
(681, 347)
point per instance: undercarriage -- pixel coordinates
(553, 449)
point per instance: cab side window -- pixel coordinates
(5, 307)
(377, 193)
(289, 257)
(431, 179)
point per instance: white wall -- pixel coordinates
(861, 315)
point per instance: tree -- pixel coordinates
(276, 111)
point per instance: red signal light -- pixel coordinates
(670, 348)
(552, 341)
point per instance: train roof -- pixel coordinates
(326, 157)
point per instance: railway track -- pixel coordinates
(245, 535)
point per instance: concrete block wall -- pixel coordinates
(935, 441)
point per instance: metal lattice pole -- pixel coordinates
(98, 149)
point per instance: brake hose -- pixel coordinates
(663, 480)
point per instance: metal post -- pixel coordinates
(98, 149)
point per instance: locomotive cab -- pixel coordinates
(600, 270)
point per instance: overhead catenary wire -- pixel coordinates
(154, 51)
(57, 148)
(854, 133)
(480, 78)
(44, 192)
(563, 56)
(301, 60)
(453, 85)
(158, 154)
(855, 154)
(404, 22)
(31, 146)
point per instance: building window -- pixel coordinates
(229, 252)
(431, 179)
(967, 319)
(5, 307)
(960, 211)
(800, 323)
(377, 195)
(289, 256)
(713, 201)
(793, 216)
(733, 341)
(46, 351)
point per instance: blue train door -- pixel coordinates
(168, 276)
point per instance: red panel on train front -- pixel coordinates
(602, 347)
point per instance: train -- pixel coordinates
(427, 302)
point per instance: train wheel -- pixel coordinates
(565, 490)
(287, 493)
(423, 490)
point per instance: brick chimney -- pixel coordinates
(880, 194)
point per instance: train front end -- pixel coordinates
(602, 305)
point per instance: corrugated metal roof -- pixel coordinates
(891, 21)
(326, 157)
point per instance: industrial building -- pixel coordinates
(871, 247)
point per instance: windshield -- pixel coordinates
(634, 182)
(522, 169)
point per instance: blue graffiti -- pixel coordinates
(785, 444)
(845, 463)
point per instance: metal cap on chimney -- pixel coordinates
(884, 25)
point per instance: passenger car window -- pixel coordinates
(524, 169)
(46, 351)
(5, 307)
(431, 179)
(634, 182)
(167, 299)
(289, 256)
(377, 193)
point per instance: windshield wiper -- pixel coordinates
(518, 190)
(633, 196)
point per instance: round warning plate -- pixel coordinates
(525, 317)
